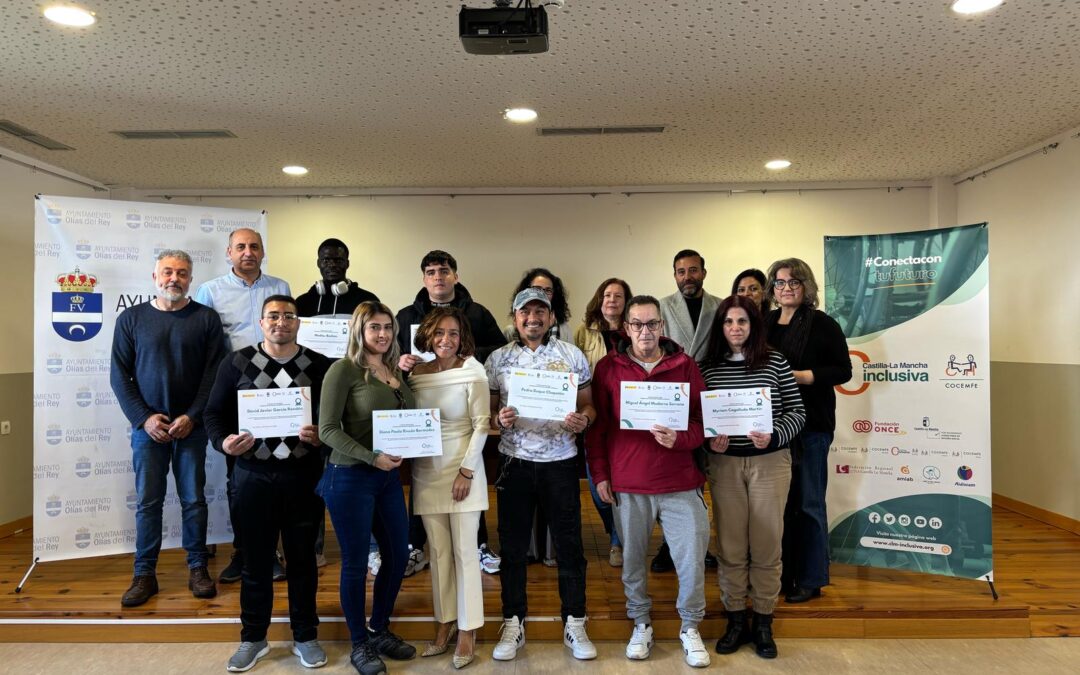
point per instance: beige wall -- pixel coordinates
(581, 238)
(18, 185)
(1033, 207)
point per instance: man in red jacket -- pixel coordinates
(650, 475)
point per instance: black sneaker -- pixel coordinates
(662, 562)
(366, 660)
(233, 571)
(390, 645)
(710, 561)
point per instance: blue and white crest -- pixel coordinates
(83, 249)
(133, 220)
(83, 467)
(54, 216)
(54, 434)
(82, 538)
(53, 506)
(206, 224)
(54, 364)
(76, 316)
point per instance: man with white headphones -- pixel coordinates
(333, 294)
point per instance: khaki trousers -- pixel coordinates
(749, 494)
(455, 568)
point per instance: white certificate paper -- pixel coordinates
(273, 413)
(736, 412)
(542, 394)
(328, 336)
(407, 433)
(644, 404)
(426, 356)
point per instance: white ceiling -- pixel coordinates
(380, 93)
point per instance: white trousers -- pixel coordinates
(456, 585)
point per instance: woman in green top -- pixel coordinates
(361, 487)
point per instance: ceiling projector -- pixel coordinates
(504, 29)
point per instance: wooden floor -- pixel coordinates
(1037, 571)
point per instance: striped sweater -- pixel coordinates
(787, 406)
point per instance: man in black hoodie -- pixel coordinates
(441, 289)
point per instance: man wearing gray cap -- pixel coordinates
(539, 466)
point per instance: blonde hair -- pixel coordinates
(799, 270)
(361, 316)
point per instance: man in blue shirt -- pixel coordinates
(238, 297)
(164, 358)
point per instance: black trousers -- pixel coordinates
(268, 503)
(555, 487)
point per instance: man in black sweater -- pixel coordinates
(164, 356)
(333, 295)
(275, 482)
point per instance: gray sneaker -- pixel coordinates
(311, 653)
(247, 655)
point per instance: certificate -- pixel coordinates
(542, 394)
(644, 404)
(425, 356)
(407, 433)
(273, 413)
(736, 412)
(328, 336)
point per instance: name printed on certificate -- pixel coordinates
(426, 356)
(736, 412)
(273, 413)
(645, 404)
(542, 394)
(407, 433)
(326, 335)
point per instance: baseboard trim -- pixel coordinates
(1042, 515)
(16, 526)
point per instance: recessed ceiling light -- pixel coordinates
(519, 115)
(294, 170)
(973, 6)
(68, 15)
(777, 164)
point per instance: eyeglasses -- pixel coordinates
(793, 284)
(274, 317)
(550, 292)
(637, 326)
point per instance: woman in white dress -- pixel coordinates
(450, 492)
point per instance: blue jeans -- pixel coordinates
(806, 525)
(151, 460)
(604, 510)
(362, 501)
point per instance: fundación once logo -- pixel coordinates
(964, 473)
(76, 309)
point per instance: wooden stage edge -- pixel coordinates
(1035, 576)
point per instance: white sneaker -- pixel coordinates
(696, 654)
(417, 561)
(641, 642)
(577, 640)
(489, 562)
(374, 562)
(511, 639)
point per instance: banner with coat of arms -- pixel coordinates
(93, 260)
(909, 474)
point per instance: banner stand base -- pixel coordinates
(18, 589)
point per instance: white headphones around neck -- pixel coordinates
(338, 289)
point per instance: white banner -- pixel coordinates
(909, 471)
(93, 259)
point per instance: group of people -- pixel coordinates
(179, 362)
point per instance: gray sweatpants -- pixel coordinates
(685, 524)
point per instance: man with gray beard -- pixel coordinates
(165, 355)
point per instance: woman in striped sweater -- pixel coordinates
(749, 475)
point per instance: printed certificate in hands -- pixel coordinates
(273, 413)
(645, 404)
(328, 336)
(542, 394)
(736, 412)
(407, 433)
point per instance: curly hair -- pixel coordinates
(425, 334)
(560, 306)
